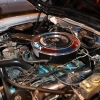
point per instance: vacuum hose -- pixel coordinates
(14, 62)
(32, 88)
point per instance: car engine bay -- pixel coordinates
(49, 59)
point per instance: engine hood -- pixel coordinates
(83, 11)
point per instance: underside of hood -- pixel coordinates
(84, 11)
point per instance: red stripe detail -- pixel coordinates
(49, 50)
(36, 39)
(75, 45)
(75, 42)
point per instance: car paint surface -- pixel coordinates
(9, 6)
(6, 23)
(4, 6)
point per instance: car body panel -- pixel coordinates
(4, 6)
(6, 23)
(9, 6)
(19, 5)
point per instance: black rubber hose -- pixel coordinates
(14, 62)
(32, 88)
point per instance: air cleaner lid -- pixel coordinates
(55, 43)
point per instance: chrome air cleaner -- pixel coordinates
(58, 47)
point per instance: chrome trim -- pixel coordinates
(80, 25)
(41, 41)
